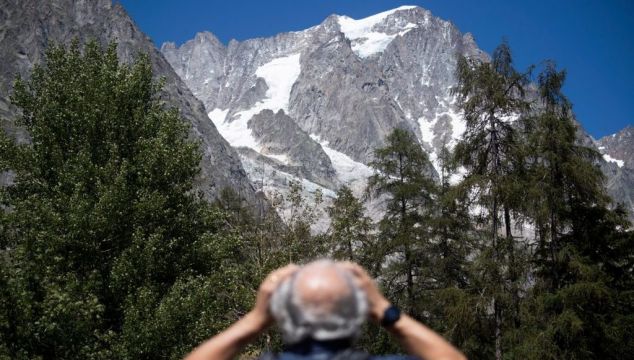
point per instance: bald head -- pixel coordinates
(320, 301)
(321, 285)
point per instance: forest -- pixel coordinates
(108, 251)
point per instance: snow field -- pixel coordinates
(279, 74)
(365, 41)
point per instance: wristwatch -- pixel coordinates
(390, 316)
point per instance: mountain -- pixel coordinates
(337, 88)
(27, 27)
(618, 152)
(619, 148)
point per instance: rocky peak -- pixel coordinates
(344, 83)
(619, 147)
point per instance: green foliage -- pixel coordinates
(582, 251)
(350, 236)
(106, 251)
(401, 173)
(491, 95)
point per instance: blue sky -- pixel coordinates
(592, 39)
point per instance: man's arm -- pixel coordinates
(423, 342)
(415, 337)
(228, 343)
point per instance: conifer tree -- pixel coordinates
(401, 169)
(491, 96)
(563, 173)
(578, 306)
(453, 302)
(349, 232)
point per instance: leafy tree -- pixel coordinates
(106, 250)
(301, 213)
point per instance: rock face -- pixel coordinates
(344, 83)
(27, 27)
(280, 138)
(619, 148)
(349, 82)
(618, 152)
(312, 105)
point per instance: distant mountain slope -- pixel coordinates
(618, 152)
(619, 148)
(345, 83)
(27, 27)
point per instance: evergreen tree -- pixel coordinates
(106, 251)
(580, 303)
(562, 172)
(349, 234)
(450, 228)
(401, 169)
(491, 97)
(453, 302)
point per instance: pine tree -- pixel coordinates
(401, 169)
(298, 241)
(579, 300)
(452, 303)
(350, 229)
(106, 249)
(491, 96)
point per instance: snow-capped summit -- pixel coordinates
(313, 105)
(367, 35)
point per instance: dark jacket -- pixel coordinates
(328, 350)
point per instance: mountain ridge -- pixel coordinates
(29, 26)
(349, 83)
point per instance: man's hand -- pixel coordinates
(378, 303)
(267, 288)
(417, 339)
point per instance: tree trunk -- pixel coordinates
(495, 224)
(513, 276)
(498, 330)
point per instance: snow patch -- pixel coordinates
(427, 135)
(350, 172)
(280, 74)
(279, 157)
(458, 127)
(365, 41)
(457, 177)
(235, 132)
(609, 158)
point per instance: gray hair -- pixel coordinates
(298, 321)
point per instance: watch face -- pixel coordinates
(391, 315)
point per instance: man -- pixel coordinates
(319, 309)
